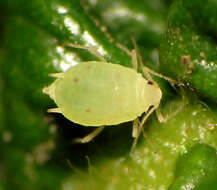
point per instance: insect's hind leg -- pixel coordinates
(90, 136)
(89, 48)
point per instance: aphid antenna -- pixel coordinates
(91, 49)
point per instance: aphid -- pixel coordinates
(97, 93)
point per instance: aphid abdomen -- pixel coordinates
(96, 93)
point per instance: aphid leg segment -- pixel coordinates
(56, 75)
(73, 167)
(90, 167)
(125, 49)
(138, 56)
(135, 140)
(138, 129)
(145, 71)
(90, 49)
(160, 117)
(131, 53)
(54, 110)
(90, 136)
(45, 90)
(134, 43)
(145, 117)
(171, 81)
(134, 59)
(135, 131)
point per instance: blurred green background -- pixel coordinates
(175, 37)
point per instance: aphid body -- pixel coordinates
(96, 93)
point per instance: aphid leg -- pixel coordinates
(163, 119)
(135, 127)
(134, 43)
(172, 114)
(74, 168)
(131, 53)
(125, 49)
(54, 110)
(171, 81)
(140, 128)
(90, 136)
(56, 75)
(45, 90)
(90, 167)
(144, 70)
(138, 56)
(134, 54)
(134, 59)
(160, 117)
(89, 48)
(135, 133)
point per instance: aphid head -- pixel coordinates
(152, 94)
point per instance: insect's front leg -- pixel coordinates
(163, 119)
(160, 117)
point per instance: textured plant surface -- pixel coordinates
(36, 148)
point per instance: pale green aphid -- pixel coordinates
(97, 93)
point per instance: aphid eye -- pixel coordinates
(150, 82)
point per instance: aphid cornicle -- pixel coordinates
(98, 93)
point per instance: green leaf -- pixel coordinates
(152, 164)
(35, 145)
(195, 168)
(187, 53)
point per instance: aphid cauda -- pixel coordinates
(97, 93)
